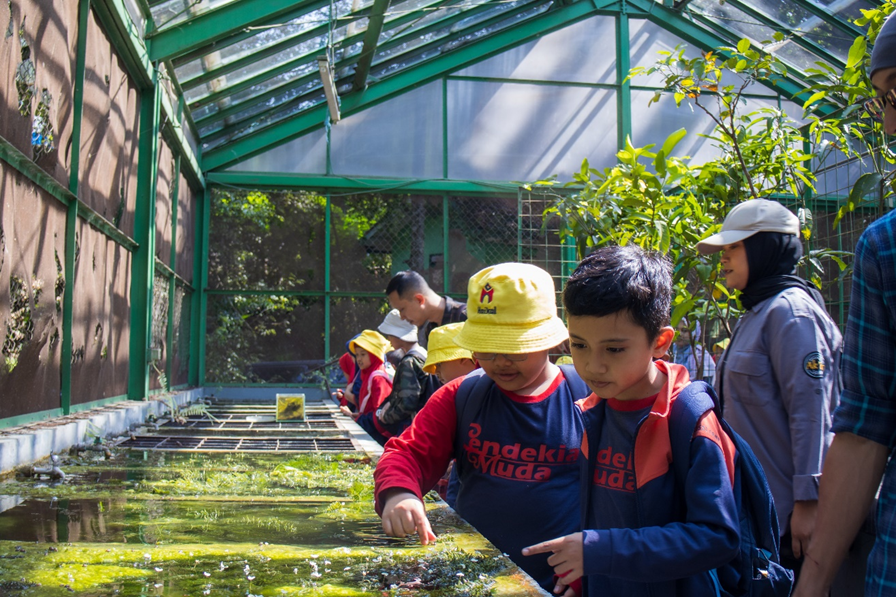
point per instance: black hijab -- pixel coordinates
(772, 259)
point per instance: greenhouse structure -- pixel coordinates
(207, 198)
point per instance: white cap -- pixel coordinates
(748, 218)
(394, 325)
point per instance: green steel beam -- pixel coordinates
(31, 418)
(371, 40)
(200, 299)
(216, 24)
(25, 166)
(806, 44)
(280, 89)
(843, 25)
(144, 257)
(624, 93)
(264, 180)
(702, 37)
(328, 238)
(261, 54)
(128, 42)
(174, 133)
(398, 83)
(172, 282)
(245, 34)
(446, 245)
(71, 216)
(126, 39)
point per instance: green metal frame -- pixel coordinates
(143, 261)
(624, 91)
(264, 180)
(267, 52)
(314, 75)
(416, 76)
(215, 25)
(371, 39)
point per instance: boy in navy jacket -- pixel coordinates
(513, 426)
(644, 532)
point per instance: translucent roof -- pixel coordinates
(250, 74)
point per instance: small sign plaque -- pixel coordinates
(290, 407)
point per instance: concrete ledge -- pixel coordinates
(33, 442)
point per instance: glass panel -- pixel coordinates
(655, 123)
(583, 52)
(264, 339)
(482, 231)
(385, 67)
(401, 137)
(377, 235)
(170, 13)
(305, 155)
(647, 38)
(742, 25)
(269, 240)
(275, 116)
(511, 131)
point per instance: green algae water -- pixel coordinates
(164, 523)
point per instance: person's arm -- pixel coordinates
(852, 473)
(412, 464)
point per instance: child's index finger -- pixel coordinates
(543, 547)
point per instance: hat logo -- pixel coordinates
(487, 293)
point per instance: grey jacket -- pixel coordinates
(779, 382)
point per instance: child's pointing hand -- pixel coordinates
(567, 558)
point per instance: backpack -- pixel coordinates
(756, 571)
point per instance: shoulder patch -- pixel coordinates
(813, 365)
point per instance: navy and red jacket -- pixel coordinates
(681, 533)
(517, 461)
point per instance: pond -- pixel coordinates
(168, 523)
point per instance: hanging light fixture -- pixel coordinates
(326, 76)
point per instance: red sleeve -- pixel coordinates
(381, 389)
(416, 459)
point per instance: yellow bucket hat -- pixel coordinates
(511, 309)
(373, 342)
(442, 347)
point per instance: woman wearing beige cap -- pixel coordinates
(778, 378)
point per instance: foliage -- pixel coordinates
(849, 130)
(661, 202)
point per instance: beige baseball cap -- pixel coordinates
(748, 218)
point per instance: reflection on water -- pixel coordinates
(174, 524)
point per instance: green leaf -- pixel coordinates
(857, 52)
(743, 45)
(866, 184)
(673, 140)
(682, 309)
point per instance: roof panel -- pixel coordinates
(172, 12)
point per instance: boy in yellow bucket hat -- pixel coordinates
(512, 426)
(445, 359)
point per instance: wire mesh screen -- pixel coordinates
(263, 338)
(482, 231)
(180, 346)
(159, 330)
(272, 240)
(540, 240)
(836, 178)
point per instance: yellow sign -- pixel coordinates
(290, 407)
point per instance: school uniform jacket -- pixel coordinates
(517, 461)
(681, 532)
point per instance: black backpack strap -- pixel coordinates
(466, 411)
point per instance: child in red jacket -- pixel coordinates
(369, 348)
(512, 426)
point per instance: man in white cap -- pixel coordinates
(865, 421)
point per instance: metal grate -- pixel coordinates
(241, 424)
(238, 444)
